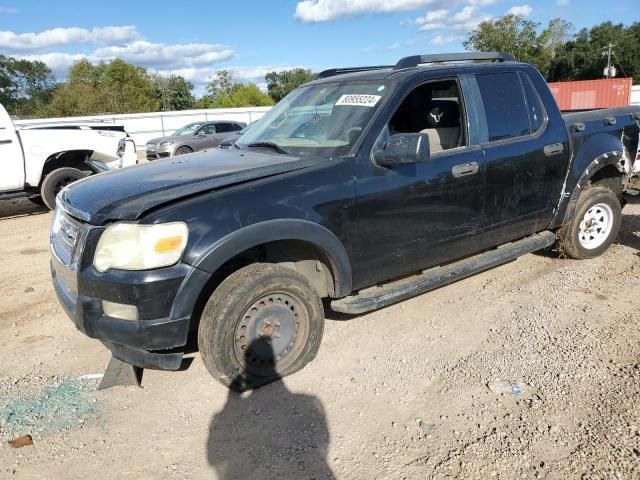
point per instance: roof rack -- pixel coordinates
(415, 60)
(340, 71)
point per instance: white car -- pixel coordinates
(37, 161)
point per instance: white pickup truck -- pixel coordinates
(37, 161)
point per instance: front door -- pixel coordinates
(11, 158)
(415, 216)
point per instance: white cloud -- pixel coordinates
(325, 10)
(8, 10)
(562, 3)
(432, 20)
(194, 61)
(56, 37)
(149, 54)
(444, 39)
(467, 19)
(521, 10)
(480, 3)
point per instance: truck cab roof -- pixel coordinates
(409, 66)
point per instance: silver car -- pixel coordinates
(192, 138)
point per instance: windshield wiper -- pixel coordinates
(271, 145)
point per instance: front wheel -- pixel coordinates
(262, 323)
(56, 181)
(183, 151)
(594, 226)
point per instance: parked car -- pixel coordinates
(228, 142)
(38, 160)
(366, 186)
(191, 138)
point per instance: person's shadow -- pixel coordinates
(269, 432)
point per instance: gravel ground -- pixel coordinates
(401, 393)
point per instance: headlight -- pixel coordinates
(168, 143)
(130, 246)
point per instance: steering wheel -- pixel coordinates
(350, 134)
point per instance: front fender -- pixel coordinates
(281, 229)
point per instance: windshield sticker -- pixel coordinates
(358, 100)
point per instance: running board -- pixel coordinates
(436, 277)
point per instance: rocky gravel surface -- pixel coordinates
(530, 370)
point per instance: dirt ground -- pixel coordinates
(401, 393)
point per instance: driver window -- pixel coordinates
(433, 108)
(207, 130)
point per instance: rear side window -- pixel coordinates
(536, 111)
(236, 127)
(504, 105)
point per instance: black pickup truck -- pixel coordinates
(366, 186)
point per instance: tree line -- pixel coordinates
(29, 88)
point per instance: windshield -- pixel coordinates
(325, 119)
(187, 129)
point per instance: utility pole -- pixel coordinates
(610, 70)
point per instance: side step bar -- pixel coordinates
(436, 277)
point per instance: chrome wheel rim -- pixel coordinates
(595, 226)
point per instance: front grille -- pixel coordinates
(66, 236)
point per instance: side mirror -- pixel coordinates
(201, 134)
(403, 148)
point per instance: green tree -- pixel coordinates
(174, 92)
(114, 87)
(279, 84)
(24, 85)
(581, 58)
(519, 37)
(224, 92)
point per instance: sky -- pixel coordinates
(251, 38)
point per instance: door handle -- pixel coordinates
(553, 149)
(464, 169)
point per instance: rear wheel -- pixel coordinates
(56, 181)
(262, 323)
(183, 151)
(594, 226)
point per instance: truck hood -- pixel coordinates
(128, 193)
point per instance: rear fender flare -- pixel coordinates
(604, 160)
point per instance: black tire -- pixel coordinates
(56, 181)
(580, 243)
(262, 323)
(183, 150)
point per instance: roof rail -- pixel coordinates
(340, 71)
(415, 60)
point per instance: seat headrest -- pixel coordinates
(443, 114)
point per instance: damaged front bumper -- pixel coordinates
(151, 340)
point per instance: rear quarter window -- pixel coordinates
(537, 113)
(504, 105)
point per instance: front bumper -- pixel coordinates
(164, 317)
(156, 153)
(140, 342)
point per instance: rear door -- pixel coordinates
(526, 157)
(11, 158)
(223, 130)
